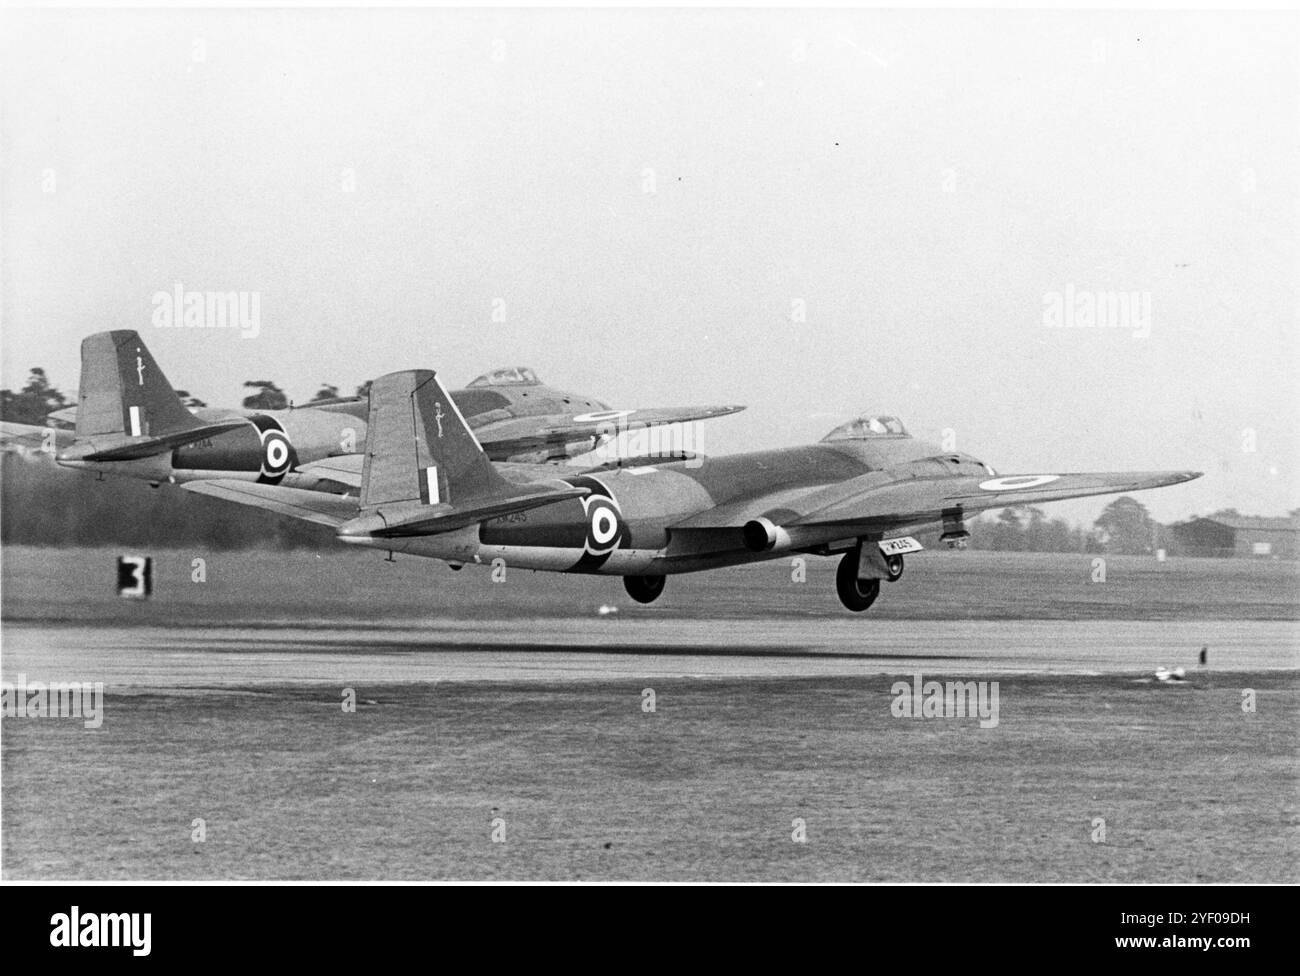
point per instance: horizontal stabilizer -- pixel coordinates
(407, 521)
(134, 448)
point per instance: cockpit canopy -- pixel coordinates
(876, 425)
(509, 376)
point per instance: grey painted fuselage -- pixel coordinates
(637, 520)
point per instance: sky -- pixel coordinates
(817, 214)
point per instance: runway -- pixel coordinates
(525, 701)
(558, 650)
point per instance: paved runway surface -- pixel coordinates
(609, 648)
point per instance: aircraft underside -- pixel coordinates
(644, 571)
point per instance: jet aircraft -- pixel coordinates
(425, 486)
(130, 422)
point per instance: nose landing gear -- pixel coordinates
(894, 566)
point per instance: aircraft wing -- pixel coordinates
(869, 504)
(27, 437)
(299, 503)
(608, 421)
(343, 468)
(517, 435)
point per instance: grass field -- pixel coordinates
(78, 584)
(590, 786)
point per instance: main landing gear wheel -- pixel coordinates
(894, 566)
(644, 589)
(856, 594)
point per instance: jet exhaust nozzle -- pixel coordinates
(763, 535)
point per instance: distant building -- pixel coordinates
(1247, 536)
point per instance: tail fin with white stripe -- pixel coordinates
(123, 392)
(425, 472)
(419, 447)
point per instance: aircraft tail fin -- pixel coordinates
(123, 392)
(419, 448)
(424, 464)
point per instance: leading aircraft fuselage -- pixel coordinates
(626, 525)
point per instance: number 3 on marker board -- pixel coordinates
(134, 576)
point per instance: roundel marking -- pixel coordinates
(605, 530)
(278, 455)
(604, 524)
(1019, 482)
(275, 453)
(601, 415)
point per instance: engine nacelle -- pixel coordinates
(763, 535)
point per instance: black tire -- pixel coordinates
(895, 566)
(644, 589)
(854, 593)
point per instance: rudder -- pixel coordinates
(124, 392)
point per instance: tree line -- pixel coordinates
(1124, 527)
(39, 398)
(44, 504)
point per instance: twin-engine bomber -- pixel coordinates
(426, 487)
(129, 422)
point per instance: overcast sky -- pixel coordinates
(815, 214)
